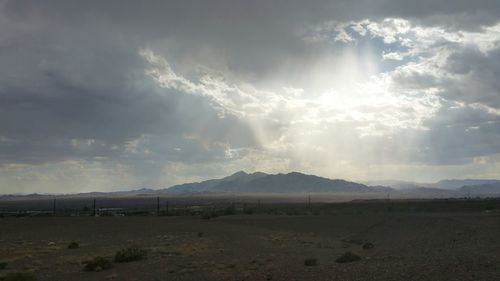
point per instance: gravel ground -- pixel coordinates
(421, 246)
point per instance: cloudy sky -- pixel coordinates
(111, 95)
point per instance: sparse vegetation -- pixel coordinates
(311, 262)
(130, 254)
(368, 246)
(209, 215)
(19, 276)
(354, 241)
(3, 265)
(489, 207)
(97, 264)
(348, 257)
(73, 245)
(230, 210)
(178, 247)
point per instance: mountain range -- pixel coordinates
(443, 185)
(294, 182)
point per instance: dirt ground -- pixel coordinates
(407, 246)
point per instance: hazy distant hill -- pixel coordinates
(483, 189)
(457, 184)
(443, 185)
(280, 183)
(396, 184)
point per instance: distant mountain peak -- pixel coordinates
(297, 173)
(239, 174)
(143, 189)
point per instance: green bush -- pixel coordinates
(73, 245)
(3, 265)
(97, 264)
(130, 254)
(19, 276)
(348, 257)
(311, 262)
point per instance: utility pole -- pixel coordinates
(54, 206)
(158, 206)
(93, 212)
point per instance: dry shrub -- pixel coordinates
(311, 262)
(348, 257)
(130, 254)
(97, 264)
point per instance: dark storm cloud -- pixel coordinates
(479, 73)
(253, 35)
(457, 134)
(61, 82)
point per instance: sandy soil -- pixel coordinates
(407, 246)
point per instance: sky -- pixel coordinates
(114, 95)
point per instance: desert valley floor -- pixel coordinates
(406, 245)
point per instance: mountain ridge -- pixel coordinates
(271, 183)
